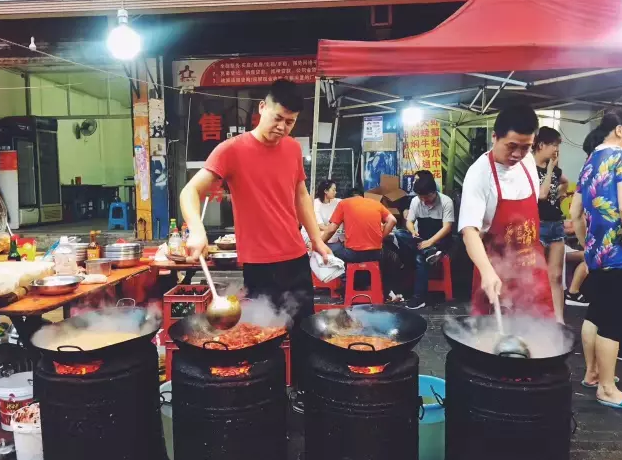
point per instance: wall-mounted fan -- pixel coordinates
(86, 128)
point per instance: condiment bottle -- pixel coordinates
(93, 250)
(13, 252)
(65, 258)
(184, 237)
(175, 245)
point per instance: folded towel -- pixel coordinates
(329, 271)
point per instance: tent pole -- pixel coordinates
(316, 133)
(451, 161)
(332, 150)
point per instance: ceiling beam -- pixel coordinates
(71, 8)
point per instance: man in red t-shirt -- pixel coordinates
(366, 223)
(264, 171)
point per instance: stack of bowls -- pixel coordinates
(123, 255)
(80, 249)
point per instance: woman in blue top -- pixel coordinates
(595, 212)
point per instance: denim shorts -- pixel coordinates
(551, 232)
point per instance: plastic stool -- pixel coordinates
(374, 294)
(444, 284)
(119, 215)
(332, 285)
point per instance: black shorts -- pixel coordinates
(287, 284)
(605, 311)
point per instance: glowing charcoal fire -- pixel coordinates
(231, 371)
(367, 370)
(78, 369)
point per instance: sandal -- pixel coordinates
(609, 404)
(595, 385)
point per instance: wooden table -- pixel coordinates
(26, 313)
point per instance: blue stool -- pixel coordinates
(119, 215)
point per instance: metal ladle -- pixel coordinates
(510, 346)
(223, 312)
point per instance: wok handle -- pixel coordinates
(71, 347)
(361, 343)
(214, 341)
(361, 295)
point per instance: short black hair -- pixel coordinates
(286, 93)
(324, 185)
(424, 183)
(547, 136)
(610, 121)
(355, 191)
(519, 118)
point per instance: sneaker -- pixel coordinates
(415, 303)
(296, 398)
(577, 299)
(434, 257)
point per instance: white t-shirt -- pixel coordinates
(479, 192)
(323, 213)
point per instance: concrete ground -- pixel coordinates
(599, 431)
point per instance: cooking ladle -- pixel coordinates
(223, 312)
(510, 346)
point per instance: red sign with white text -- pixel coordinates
(252, 71)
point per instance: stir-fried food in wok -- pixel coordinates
(241, 336)
(362, 342)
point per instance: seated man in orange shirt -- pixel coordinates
(366, 223)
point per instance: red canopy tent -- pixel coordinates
(491, 35)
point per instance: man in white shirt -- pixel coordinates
(433, 214)
(500, 223)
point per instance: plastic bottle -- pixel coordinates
(175, 244)
(65, 258)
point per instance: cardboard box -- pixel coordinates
(387, 193)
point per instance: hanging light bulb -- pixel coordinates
(412, 115)
(124, 42)
(32, 45)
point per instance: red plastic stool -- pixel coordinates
(332, 285)
(444, 284)
(374, 294)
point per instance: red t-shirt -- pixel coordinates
(362, 219)
(263, 181)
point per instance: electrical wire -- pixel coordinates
(566, 139)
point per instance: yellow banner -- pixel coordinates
(422, 149)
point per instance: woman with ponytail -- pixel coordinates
(595, 212)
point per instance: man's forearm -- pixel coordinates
(410, 226)
(442, 233)
(475, 249)
(190, 202)
(306, 215)
(388, 226)
(580, 229)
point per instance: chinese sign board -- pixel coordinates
(422, 149)
(252, 71)
(372, 129)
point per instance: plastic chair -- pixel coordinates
(331, 285)
(443, 284)
(374, 294)
(119, 215)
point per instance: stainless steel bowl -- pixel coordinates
(225, 259)
(98, 266)
(56, 285)
(125, 263)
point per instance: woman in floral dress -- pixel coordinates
(595, 214)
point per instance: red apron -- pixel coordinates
(514, 249)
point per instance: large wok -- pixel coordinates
(390, 321)
(455, 329)
(198, 325)
(141, 320)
